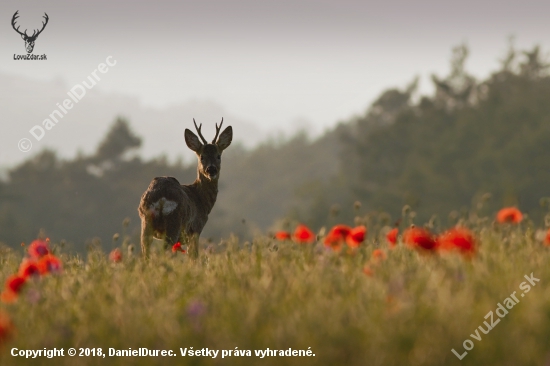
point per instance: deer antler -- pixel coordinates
(15, 16)
(217, 131)
(199, 131)
(34, 34)
(43, 25)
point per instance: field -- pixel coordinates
(404, 306)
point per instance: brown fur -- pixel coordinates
(175, 212)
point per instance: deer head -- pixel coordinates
(209, 155)
(29, 40)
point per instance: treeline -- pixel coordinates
(93, 197)
(444, 152)
(435, 153)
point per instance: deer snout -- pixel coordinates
(211, 170)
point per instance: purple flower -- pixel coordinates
(196, 309)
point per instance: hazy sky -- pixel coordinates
(271, 63)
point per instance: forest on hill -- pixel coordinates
(435, 153)
(445, 151)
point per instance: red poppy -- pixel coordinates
(356, 236)
(15, 283)
(6, 328)
(378, 255)
(510, 215)
(391, 237)
(49, 264)
(417, 237)
(38, 249)
(547, 238)
(341, 231)
(177, 248)
(28, 268)
(303, 235)
(458, 238)
(337, 236)
(282, 235)
(115, 255)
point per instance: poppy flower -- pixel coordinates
(303, 235)
(115, 255)
(378, 255)
(340, 232)
(282, 235)
(417, 237)
(28, 268)
(458, 238)
(49, 264)
(38, 249)
(356, 236)
(177, 248)
(15, 283)
(6, 328)
(337, 236)
(509, 215)
(547, 238)
(391, 237)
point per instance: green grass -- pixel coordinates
(265, 294)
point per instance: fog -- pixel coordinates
(266, 67)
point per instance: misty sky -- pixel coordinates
(274, 64)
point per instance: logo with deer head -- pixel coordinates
(29, 40)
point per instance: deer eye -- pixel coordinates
(219, 157)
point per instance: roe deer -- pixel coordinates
(174, 212)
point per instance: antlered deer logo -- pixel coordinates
(29, 40)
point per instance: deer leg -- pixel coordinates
(183, 238)
(146, 237)
(194, 245)
(172, 236)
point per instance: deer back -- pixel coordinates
(166, 203)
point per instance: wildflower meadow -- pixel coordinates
(377, 195)
(474, 292)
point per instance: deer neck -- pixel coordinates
(207, 190)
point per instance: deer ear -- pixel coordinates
(225, 138)
(192, 141)
(23, 36)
